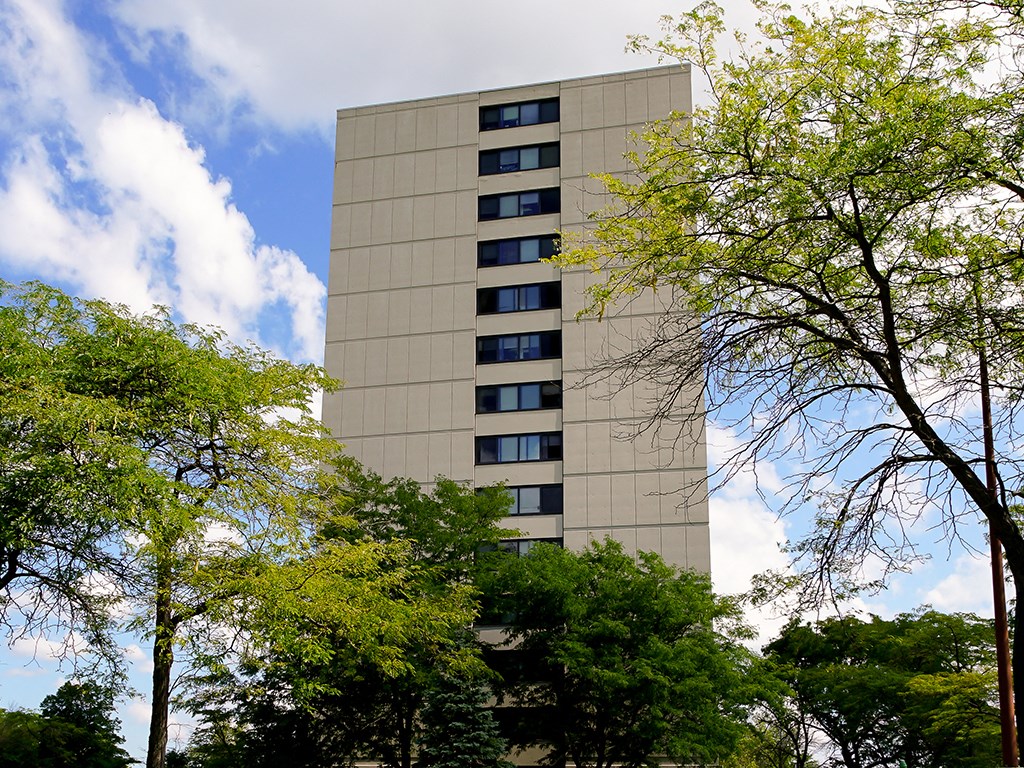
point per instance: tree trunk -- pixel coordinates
(163, 659)
(1017, 653)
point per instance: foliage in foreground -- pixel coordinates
(148, 464)
(841, 230)
(315, 690)
(76, 728)
(638, 659)
(919, 688)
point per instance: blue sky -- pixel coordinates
(181, 153)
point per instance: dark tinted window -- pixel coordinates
(536, 500)
(519, 250)
(519, 397)
(518, 298)
(510, 449)
(511, 159)
(522, 547)
(520, 113)
(519, 346)
(513, 204)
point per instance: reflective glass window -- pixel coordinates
(529, 397)
(529, 501)
(486, 399)
(507, 300)
(487, 350)
(508, 160)
(509, 252)
(529, 250)
(488, 254)
(509, 206)
(549, 395)
(515, 250)
(521, 113)
(529, 203)
(529, 114)
(488, 208)
(519, 204)
(511, 159)
(486, 450)
(551, 499)
(519, 397)
(509, 348)
(508, 449)
(553, 447)
(508, 399)
(529, 346)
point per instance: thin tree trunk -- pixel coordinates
(163, 659)
(1017, 653)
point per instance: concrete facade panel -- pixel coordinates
(402, 321)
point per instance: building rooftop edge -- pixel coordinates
(458, 96)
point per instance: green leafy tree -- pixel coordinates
(67, 477)
(640, 658)
(199, 459)
(91, 732)
(918, 688)
(458, 730)
(343, 667)
(840, 228)
(21, 734)
(75, 729)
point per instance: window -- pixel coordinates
(516, 250)
(519, 397)
(535, 500)
(522, 547)
(511, 449)
(513, 159)
(513, 204)
(520, 346)
(518, 298)
(523, 113)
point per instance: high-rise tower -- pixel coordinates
(459, 346)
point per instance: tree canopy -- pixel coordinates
(636, 659)
(146, 463)
(918, 688)
(367, 656)
(75, 729)
(841, 228)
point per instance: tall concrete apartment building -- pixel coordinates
(459, 348)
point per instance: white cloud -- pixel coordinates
(138, 658)
(138, 710)
(968, 588)
(746, 536)
(43, 649)
(101, 192)
(294, 63)
(746, 539)
(745, 479)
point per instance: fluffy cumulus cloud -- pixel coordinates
(746, 536)
(292, 64)
(103, 194)
(967, 587)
